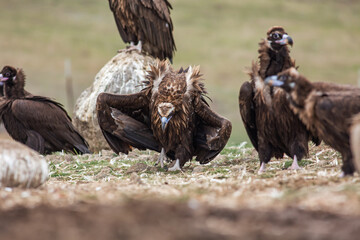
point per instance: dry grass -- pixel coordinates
(229, 181)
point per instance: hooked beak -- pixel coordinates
(273, 81)
(3, 79)
(164, 122)
(286, 39)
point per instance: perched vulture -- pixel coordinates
(326, 112)
(270, 124)
(169, 116)
(38, 122)
(146, 23)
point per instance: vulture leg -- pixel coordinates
(262, 168)
(176, 166)
(134, 47)
(348, 167)
(162, 158)
(295, 165)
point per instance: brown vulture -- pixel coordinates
(270, 124)
(38, 122)
(146, 23)
(326, 112)
(170, 115)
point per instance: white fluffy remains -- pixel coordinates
(21, 166)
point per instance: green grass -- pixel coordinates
(221, 36)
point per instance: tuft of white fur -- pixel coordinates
(190, 79)
(21, 166)
(161, 76)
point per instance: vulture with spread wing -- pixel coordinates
(271, 125)
(170, 115)
(38, 122)
(326, 112)
(146, 23)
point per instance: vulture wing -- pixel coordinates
(47, 125)
(124, 121)
(125, 30)
(135, 133)
(330, 111)
(212, 134)
(247, 112)
(148, 21)
(156, 24)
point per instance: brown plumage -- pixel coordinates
(169, 115)
(271, 125)
(325, 112)
(147, 21)
(38, 122)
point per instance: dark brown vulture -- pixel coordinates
(325, 112)
(146, 23)
(169, 116)
(270, 124)
(38, 122)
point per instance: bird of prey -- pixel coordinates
(325, 112)
(147, 24)
(38, 122)
(270, 124)
(170, 115)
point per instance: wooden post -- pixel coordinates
(69, 86)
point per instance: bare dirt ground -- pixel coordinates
(106, 196)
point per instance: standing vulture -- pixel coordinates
(169, 116)
(326, 112)
(38, 122)
(146, 23)
(270, 124)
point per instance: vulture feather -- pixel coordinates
(326, 112)
(146, 23)
(169, 116)
(38, 122)
(271, 125)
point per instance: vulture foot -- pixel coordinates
(176, 167)
(295, 165)
(133, 47)
(162, 158)
(262, 168)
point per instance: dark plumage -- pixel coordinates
(1, 89)
(271, 125)
(325, 112)
(146, 23)
(169, 115)
(38, 122)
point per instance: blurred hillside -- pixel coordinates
(221, 36)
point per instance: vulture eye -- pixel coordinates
(276, 36)
(7, 74)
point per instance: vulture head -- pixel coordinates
(13, 80)
(172, 93)
(278, 38)
(296, 85)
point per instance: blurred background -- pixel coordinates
(220, 36)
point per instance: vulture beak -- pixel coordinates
(164, 122)
(273, 81)
(3, 79)
(286, 39)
